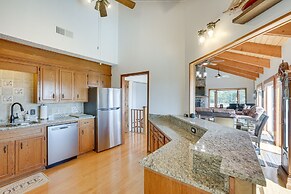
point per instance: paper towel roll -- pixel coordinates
(43, 112)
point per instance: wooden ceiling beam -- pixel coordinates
(234, 69)
(256, 61)
(261, 49)
(242, 66)
(232, 72)
(284, 31)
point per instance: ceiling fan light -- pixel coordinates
(97, 6)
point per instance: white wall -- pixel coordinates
(139, 95)
(34, 22)
(152, 38)
(231, 82)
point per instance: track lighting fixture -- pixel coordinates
(201, 36)
(209, 29)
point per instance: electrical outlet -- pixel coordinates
(32, 111)
(193, 130)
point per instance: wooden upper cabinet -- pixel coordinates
(66, 85)
(7, 159)
(93, 79)
(49, 81)
(81, 87)
(29, 154)
(105, 81)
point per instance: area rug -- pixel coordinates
(25, 185)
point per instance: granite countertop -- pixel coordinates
(207, 158)
(55, 121)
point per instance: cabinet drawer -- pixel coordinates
(86, 123)
(22, 132)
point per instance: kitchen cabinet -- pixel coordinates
(49, 84)
(98, 80)
(105, 81)
(66, 85)
(29, 154)
(157, 139)
(81, 88)
(22, 151)
(93, 79)
(86, 135)
(7, 159)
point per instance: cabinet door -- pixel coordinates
(29, 154)
(105, 81)
(66, 85)
(81, 88)
(86, 136)
(49, 77)
(6, 159)
(93, 79)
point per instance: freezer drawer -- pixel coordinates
(109, 129)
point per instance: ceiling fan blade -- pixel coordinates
(213, 64)
(128, 3)
(102, 9)
(218, 61)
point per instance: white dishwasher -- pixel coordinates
(62, 143)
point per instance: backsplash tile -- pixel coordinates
(19, 87)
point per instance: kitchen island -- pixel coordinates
(203, 157)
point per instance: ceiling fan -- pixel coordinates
(212, 62)
(102, 5)
(218, 76)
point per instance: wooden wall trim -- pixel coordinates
(21, 54)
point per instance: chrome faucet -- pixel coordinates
(12, 117)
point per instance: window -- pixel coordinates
(224, 97)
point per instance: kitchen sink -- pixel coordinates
(18, 124)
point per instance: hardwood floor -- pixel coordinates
(114, 171)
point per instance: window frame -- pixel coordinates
(225, 89)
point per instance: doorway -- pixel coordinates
(135, 102)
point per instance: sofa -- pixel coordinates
(215, 112)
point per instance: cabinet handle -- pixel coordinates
(82, 132)
(21, 145)
(63, 95)
(5, 149)
(77, 95)
(53, 96)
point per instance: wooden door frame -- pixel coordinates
(267, 82)
(122, 78)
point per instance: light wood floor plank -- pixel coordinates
(116, 171)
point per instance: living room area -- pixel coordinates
(243, 88)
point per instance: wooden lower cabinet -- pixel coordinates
(29, 154)
(155, 183)
(22, 151)
(6, 159)
(156, 138)
(86, 135)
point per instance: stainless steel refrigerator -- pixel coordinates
(105, 105)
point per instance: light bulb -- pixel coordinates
(201, 39)
(210, 32)
(109, 6)
(205, 74)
